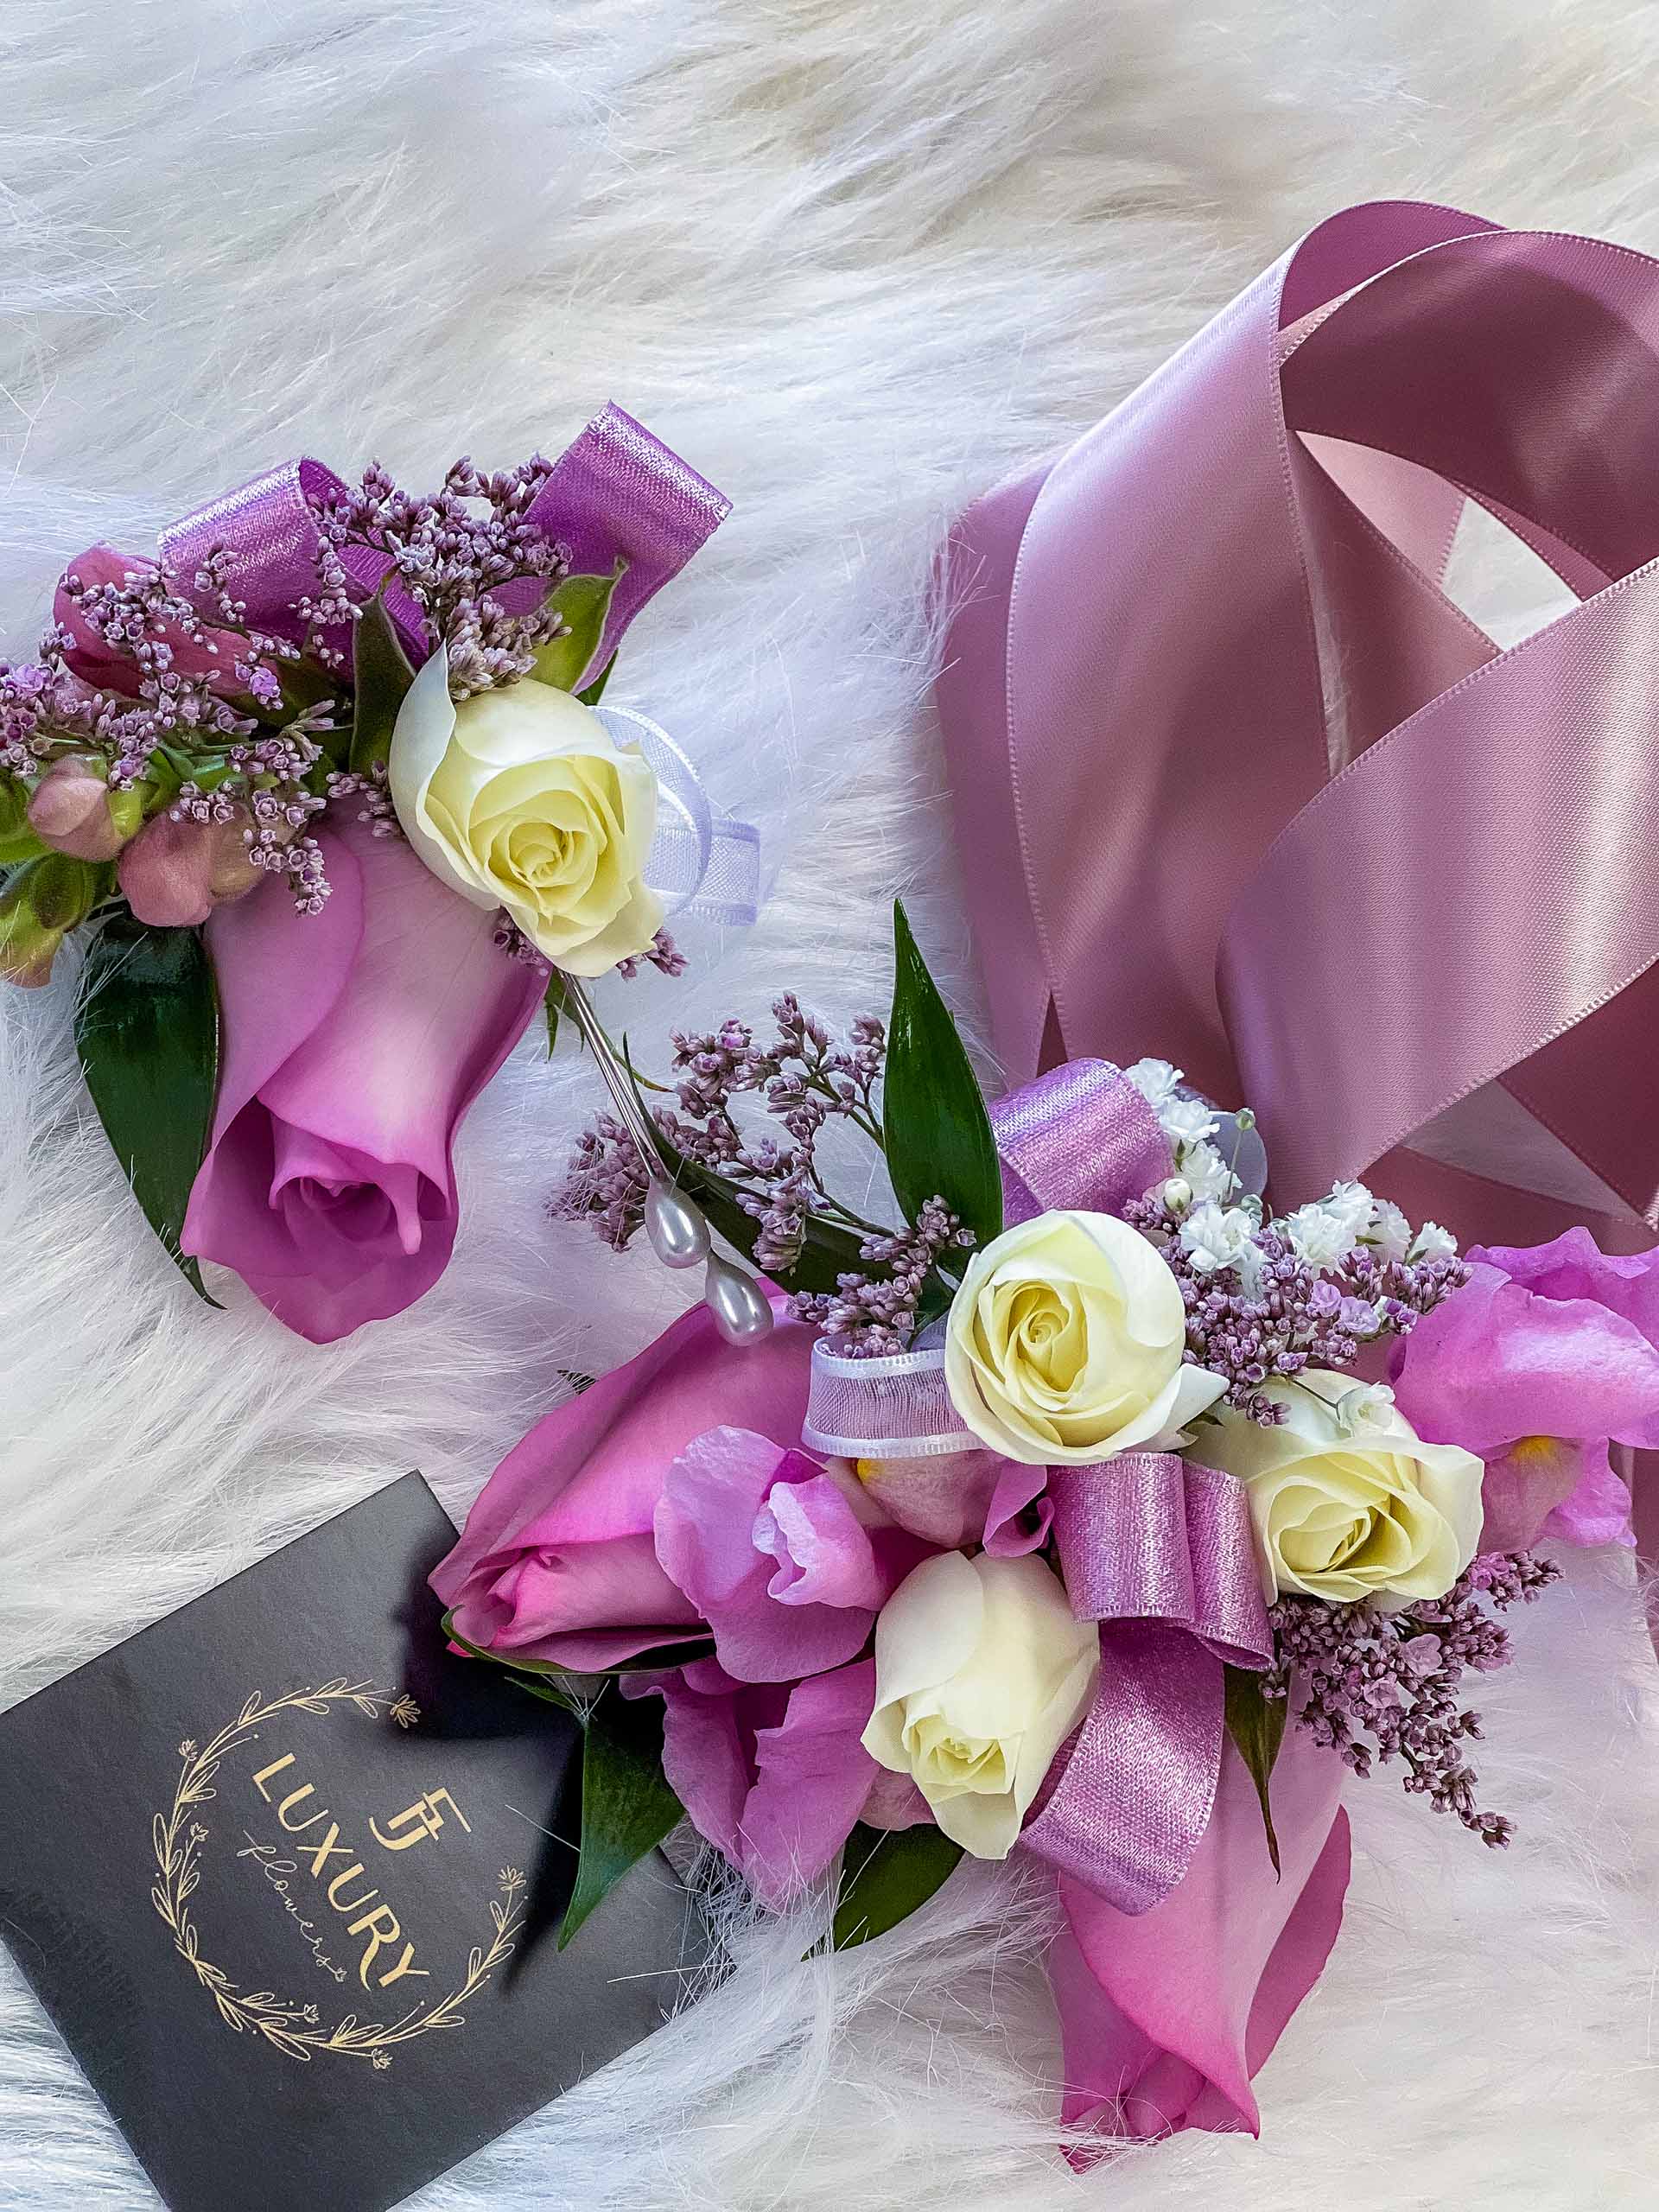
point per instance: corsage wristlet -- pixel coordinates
(1139, 1473)
(327, 788)
(1069, 1519)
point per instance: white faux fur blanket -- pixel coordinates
(851, 257)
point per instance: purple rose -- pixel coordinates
(1546, 1355)
(354, 1041)
(667, 1506)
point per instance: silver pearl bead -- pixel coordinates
(678, 1233)
(737, 1302)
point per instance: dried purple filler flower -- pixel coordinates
(805, 1081)
(1377, 1687)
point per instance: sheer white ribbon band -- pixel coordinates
(702, 864)
(896, 1408)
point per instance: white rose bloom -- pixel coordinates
(981, 1675)
(1065, 1342)
(518, 798)
(1348, 1502)
(1212, 1238)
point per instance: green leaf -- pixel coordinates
(938, 1132)
(581, 603)
(380, 677)
(627, 1807)
(885, 1874)
(1257, 1724)
(147, 1030)
(596, 691)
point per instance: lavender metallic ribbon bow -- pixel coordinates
(1155, 1548)
(618, 495)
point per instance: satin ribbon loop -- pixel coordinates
(1264, 800)
(1160, 1551)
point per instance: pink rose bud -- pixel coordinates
(166, 873)
(74, 812)
(173, 874)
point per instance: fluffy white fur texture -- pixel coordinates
(853, 259)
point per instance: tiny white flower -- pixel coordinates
(1212, 1237)
(1350, 1203)
(1185, 1120)
(1208, 1173)
(1155, 1080)
(1390, 1231)
(1319, 1236)
(1434, 1243)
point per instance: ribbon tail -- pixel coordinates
(1134, 1797)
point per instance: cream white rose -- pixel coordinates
(1349, 1503)
(518, 798)
(981, 1675)
(1064, 1344)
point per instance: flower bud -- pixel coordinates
(41, 904)
(173, 874)
(74, 810)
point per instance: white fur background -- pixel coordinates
(852, 257)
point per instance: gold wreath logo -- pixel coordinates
(298, 2031)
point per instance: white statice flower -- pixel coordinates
(1155, 1080)
(1390, 1232)
(1207, 1172)
(1213, 1236)
(1434, 1242)
(1317, 1234)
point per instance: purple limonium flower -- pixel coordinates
(1549, 1354)
(1378, 1687)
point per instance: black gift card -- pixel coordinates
(280, 1869)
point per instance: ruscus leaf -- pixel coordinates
(380, 677)
(146, 1031)
(581, 603)
(938, 1131)
(1257, 1726)
(627, 1807)
(886, 1873)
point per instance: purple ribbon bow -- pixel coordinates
(618, 493)
(1157, 1550)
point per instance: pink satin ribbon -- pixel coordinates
(616, 494)
(1245, 789)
